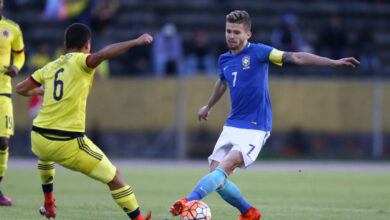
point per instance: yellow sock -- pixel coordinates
(125, 198)
(46, 171)
(3, 162)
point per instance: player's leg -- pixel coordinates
(46, 172)
(90, 160)
(211, 181)
(124, 196)
(230, 192)
(216, 178)
(4, 201)
(249, 149)
(43, 148)
(6, 131)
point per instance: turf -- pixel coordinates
(280, 195)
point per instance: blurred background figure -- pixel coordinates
(167, 51)
(200, 58)
(287, 36)
(333, 39)
(54, 9)
(140, 57)
(102, 14)
(366, 50)
(39, 58)
(77, 11)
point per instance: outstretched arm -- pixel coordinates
(302, 58)
(218, 91)
(117, 48)
(27, 88)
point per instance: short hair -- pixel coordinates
(76, 35)
(239, 17)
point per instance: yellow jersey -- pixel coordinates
(11, 40)
(67, 82)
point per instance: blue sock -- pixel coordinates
(208, 184)
(231, 194)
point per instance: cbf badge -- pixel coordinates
(246, 61)
(5, 33)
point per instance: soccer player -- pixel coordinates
(244, 69)
(11, 40)
(58, 131)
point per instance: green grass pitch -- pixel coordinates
(280, 195)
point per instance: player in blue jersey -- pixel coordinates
(244, 69)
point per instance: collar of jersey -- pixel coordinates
(248, 44)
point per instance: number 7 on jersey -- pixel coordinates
(235, 78)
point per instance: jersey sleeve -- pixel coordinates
(37, 77)
(266, 53)
(221, 75)
(17, 43)
(83, 62)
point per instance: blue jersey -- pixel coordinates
(247, 76)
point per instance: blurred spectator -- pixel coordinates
(102, 13)
(59, 52)
(287, 36)
(200, 58)
(167, 51)
(39, 58)
(366, 51)
(103, 70)
(54, 9)
(77, 11)
(333, 39)
(138, 59)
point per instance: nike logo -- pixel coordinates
(203, 190)
(254, 122)
(225, 68)
(276, 53)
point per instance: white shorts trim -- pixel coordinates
(248, 141)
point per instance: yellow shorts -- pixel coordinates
(78, 154)
(6, 117)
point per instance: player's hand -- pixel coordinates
(40, 91)
(144, 39)
(204, 113)
(12, 71)
(345, 62)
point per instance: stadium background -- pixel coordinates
(319, 113)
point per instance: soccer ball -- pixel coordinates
(196, 210)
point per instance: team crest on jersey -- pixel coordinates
(246, 61)
(5, 33)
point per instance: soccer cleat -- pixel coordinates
(5, 201)
(49, 209)
(251, 214)
(178, 206)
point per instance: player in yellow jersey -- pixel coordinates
(58, 130)
(11, 41)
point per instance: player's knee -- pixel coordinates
(228, 166)
(3, 143)
(118, 181)
(220, 186)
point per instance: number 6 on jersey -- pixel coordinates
(58, 83)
